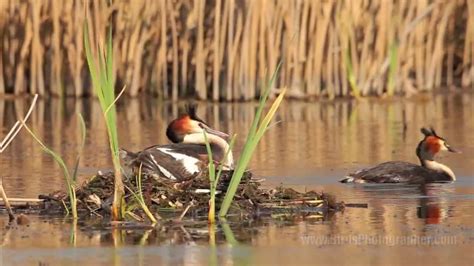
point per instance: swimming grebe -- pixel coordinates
(403, 172)
(187, 156)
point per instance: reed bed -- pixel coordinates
(220, 50)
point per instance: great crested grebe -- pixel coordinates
(187, 156)
(403, 172)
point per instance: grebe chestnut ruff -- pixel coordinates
(403, 172)
(187, 156)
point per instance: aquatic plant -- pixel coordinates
(73, 233)
(138, 195)
(219, 49)
(69, 178)
(256, 132)
(228, 233)
(213, 177)
(101, 71)
(213, 260)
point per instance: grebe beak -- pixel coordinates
(213, 131)
(450, 149)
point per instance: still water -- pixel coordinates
(312, 146)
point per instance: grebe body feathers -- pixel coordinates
(403, 172)
(187, 156)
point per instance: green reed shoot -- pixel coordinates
(350, 74)
(82, 126)
(392, 71)
(257, 130)
(73, 233)
(69, 178)
(103, 81)
(228, 233)
(213, 261)
(138, 195)
(213, 177)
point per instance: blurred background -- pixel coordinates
(223, 49)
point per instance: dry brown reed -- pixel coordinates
(221, 50)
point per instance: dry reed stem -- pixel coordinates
(4, 144)
(17, 127)
(221, 49)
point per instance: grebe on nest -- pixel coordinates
(187, 156)
(403, 172)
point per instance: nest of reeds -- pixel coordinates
(167, 198)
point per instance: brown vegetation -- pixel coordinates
(221, 50)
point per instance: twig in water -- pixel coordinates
(25, 200)
(11, 215)
(144, 237)
(65, 207)
(184, 212)
(187, 235)
(134, 216)
(94, 211)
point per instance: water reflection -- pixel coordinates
(313, 146)
(252, 241)
(433, 207)
(432, 203)
(312, 141)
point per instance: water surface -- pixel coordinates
(313, 145)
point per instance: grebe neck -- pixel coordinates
(198, 138)
(438, 167)
(427, 160)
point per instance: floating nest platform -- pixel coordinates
(187, 198)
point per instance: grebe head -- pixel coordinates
(189, 123)
(431, 145)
